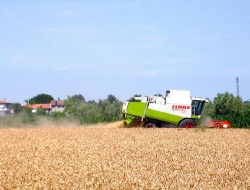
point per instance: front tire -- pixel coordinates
(187, 123)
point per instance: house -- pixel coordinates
(57, 105)
(54, 106)
(34, 107)
(5, 108)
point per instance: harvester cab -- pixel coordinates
(197, 106)
(176, 109)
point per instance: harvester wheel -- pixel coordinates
(150, 125)
(187, 123)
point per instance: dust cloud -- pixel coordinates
(42, 122)
(207, 122)
(116, 124)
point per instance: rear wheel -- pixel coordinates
(150, 125)
(187, 123)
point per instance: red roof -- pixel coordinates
(4, 102)
(35, 106)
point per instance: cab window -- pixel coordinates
(197, 106)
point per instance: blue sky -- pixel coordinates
(97, 48)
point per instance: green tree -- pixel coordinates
(69, 105)
(111, 98)
(247, 105)
(72, 103)
(77, 97)
(209, 109)
(41, 99)
(92, 102)
(109, 109)
(93, 112)
(85, 112)
(57, 115)
(102, 104)
(113, 110)
(226, 103)
(17, 107)
(223, 103)
(40, 111)
(238, 105)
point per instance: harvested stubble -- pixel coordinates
(121, 158)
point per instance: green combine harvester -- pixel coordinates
(176, 109)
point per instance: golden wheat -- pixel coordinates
(120, 158)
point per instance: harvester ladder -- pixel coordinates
(145, 110)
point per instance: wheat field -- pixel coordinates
(124, 158)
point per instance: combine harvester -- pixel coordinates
(176, 109)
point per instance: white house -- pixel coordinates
(5, 108)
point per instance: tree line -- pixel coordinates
(224, 106)
(105, 110)
(76, 107)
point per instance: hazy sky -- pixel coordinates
(97, 48)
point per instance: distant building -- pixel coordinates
(57, 105)
(54, 106)
(5, 108)
(34, 107)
